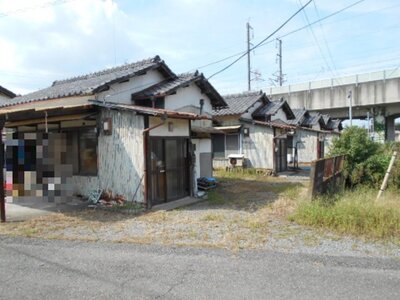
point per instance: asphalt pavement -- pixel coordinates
(52, 269)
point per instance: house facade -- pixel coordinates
(313, 136)
(127, 129)
(268, 134)
(254, 130)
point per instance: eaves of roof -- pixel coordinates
(7, 92)
(157, 112)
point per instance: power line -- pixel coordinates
(317, 43)
(317, 21)
(282, 36)
(343, 19)
(260, 43)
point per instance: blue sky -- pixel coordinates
(41, 41)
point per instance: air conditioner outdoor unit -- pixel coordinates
(236, 160)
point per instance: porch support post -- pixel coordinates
(2, 194)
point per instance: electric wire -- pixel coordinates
(282, 36)
(260, 43)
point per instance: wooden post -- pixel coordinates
(385, 180)
(2, 194)
(313, 178)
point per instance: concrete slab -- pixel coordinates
(177, 203)
(33, 209)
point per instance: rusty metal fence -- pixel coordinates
(327, 175)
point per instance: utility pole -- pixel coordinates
(280, 62)
(350, 108)
(248, 27)
(278, 78)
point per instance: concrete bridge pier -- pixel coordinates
(390, 128)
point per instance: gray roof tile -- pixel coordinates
(239, 103)
(300, 114)
(272, 108)
(167, 86)
(171, 85)
(90, 83)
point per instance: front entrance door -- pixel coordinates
(169, 169)
(281, 155)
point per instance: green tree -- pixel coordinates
(366, 160)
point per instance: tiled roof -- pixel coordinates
(299, 114)
(171, 85)
(334, 124)
(94, 82)
(6, 92)
(326, 118)
(312, 120)
(167, 86)
(239, 103)
(272, 108)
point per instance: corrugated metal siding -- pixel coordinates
(120, 157)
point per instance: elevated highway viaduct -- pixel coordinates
(376, 93)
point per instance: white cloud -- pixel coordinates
(40, 45)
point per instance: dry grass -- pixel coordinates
(355, 212)
(235, 216)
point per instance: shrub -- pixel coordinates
(366, 160)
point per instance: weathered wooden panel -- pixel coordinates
(327, 176)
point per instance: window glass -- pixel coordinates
(88, 152)
(232, 144)
(218, 143)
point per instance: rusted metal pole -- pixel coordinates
(386, 179)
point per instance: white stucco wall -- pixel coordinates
(188, 96)
(280, 114)
(329, 138)
(257, 148)
(307, 146)
(121, 92)
(120, 158)
(179, 127)
(202, 146)
(228, 120)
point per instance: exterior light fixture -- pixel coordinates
(107, 126)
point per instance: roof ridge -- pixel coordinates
(186, 74)
(154, 59)
(246, 93)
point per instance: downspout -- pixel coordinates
(145, 150)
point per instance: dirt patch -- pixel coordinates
(240, 214)
(235, 216)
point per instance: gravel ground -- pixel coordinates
(240, 215)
